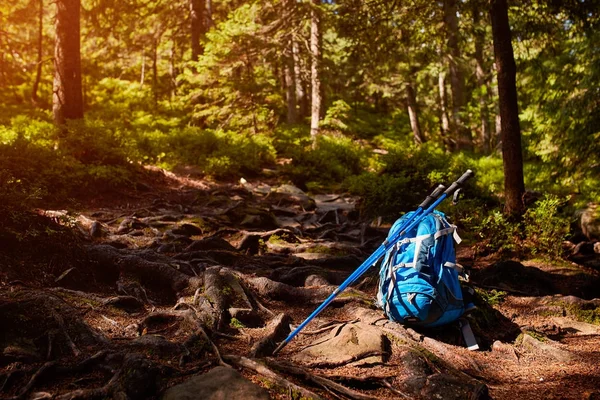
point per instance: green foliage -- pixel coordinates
(491, 297)
(541, 231)
(233, 88)
(545, 227)
(236, 324)
(382, 195)
(220, 154)
(498, 234)
(332, 160)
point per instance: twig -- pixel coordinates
(394, 390)
(268, 373)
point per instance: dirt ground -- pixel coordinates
(140, 286)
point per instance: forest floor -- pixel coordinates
(139, 294)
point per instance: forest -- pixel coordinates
(183, 182)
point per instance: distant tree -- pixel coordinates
(481, 77)
(315, 75)
(67, 99)
(457, 78)
(40, 53)
(198, 26)
(512, 156)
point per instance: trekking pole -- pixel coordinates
(428, 200)
(432, 201)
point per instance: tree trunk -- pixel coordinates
(413, 114)
(143, 72)
(482, 83)
(315, 70)
(173, 71)
(512, 156)
(155, 70)
(457, 80)
(290, 86)
(209, 16)
(444, 119)
(198, 23)
(67, 101)
(301, 98)
(40, 47)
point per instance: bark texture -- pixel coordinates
(198, 22)
(68, 95)
(315, 70)
(512, 156)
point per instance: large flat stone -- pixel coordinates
(359, 343)
(220, 383)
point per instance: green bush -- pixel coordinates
(545, 227)
(220, 154)
(382, 195)
(334, 159)
(498, 234)
(541, 231)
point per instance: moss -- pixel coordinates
(326, 250)
(536, 335)
(236, 323)
(591, 316)
(226, 291)
(361, 297)
(586, 312)
(492, 297)
(276, 239)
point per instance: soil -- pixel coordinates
(133, 292)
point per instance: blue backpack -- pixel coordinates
(418, 279)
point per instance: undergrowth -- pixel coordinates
(39, 162)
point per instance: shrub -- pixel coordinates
(220, 154)
(331, 161)
(545, 227)
(498, 234)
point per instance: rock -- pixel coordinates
(576, 327)
(210, 243)
(220, 383)
(129, 224)
(187, 230)
(128, 303)
(292, 195)
(504, 350)
(21, 353)
(547, 348)
(448, 387)
(590, 221)
(96, 230)
(585, 248)
(316, 280)
(356, 343)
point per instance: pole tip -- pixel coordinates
(278, 349)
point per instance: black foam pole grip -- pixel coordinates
(433, 196)
(459, 182)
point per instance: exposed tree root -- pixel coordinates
(36, 376)
(394, 390)
(271, 375)
(319, 380)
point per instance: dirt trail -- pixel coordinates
(136, 295)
